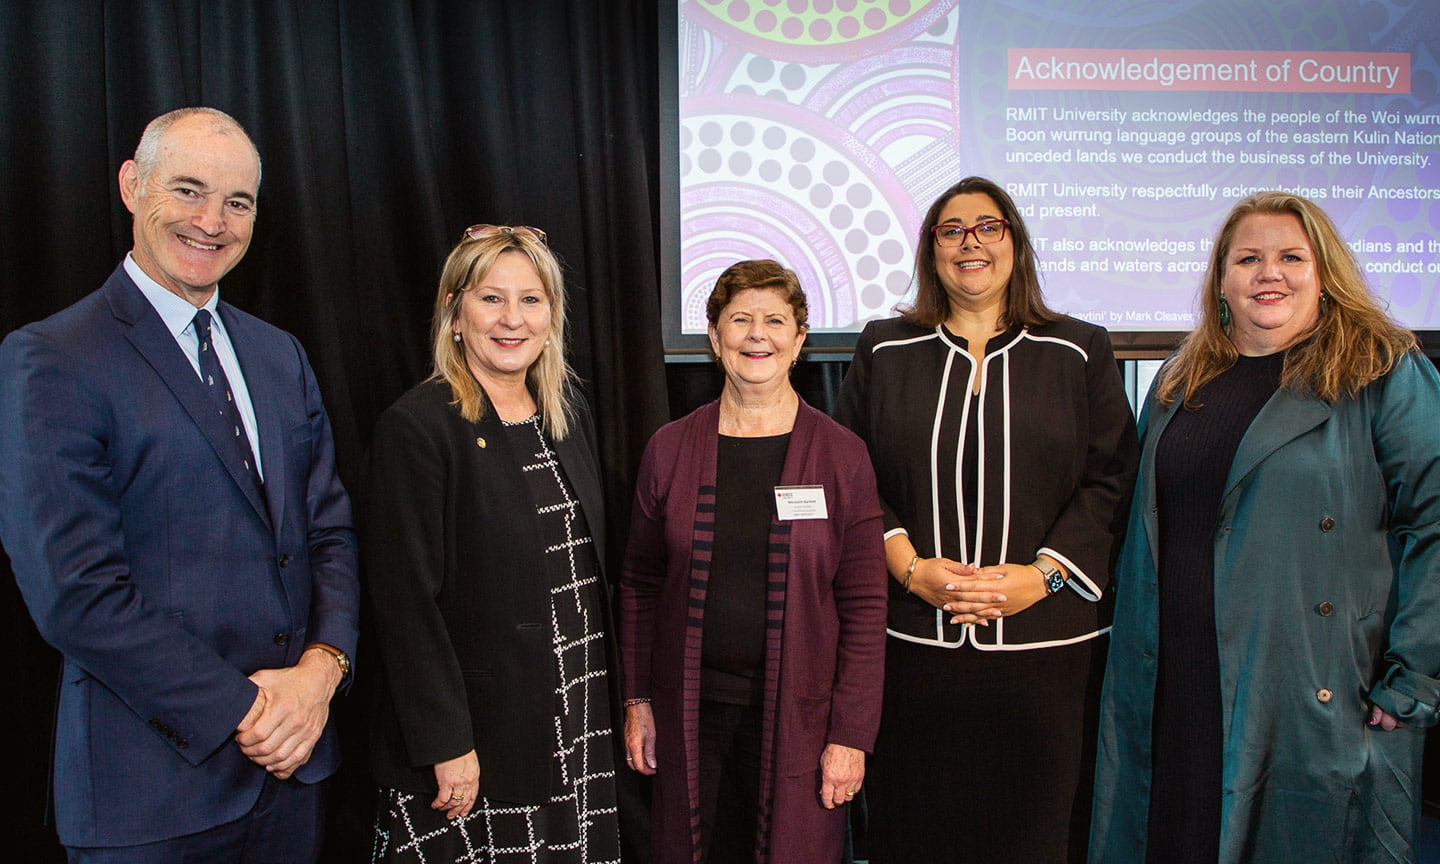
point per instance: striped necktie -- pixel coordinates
(218, 386)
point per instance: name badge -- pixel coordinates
(800, 502)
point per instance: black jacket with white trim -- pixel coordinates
(1055, 453)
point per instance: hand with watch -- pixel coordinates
(1054, 576)
(291, 708)
(341, 657)
(1022, 585)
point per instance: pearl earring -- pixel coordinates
(457, 337)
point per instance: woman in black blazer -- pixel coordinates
(1004, 452)
(482, 521)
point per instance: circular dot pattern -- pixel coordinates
(812, 22)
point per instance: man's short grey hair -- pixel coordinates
(147, 152)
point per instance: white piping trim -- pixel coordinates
(1005, 466)
(973, 555)
(1066, 342)
(935, 460)
(969, 631)
(919, 640)
(894, 532)
(1030, 646)
(1083, 585)
(911, 341)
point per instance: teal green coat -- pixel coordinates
(1327, 597)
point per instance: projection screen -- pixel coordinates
(818, 131)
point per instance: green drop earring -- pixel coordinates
(1224, 311)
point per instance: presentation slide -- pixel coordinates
(817, 132)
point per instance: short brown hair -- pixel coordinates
(763, 274)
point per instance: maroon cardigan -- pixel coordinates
(825, 648)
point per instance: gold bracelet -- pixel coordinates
(910, 572)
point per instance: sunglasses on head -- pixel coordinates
(481, 231)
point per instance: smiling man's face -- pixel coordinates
(195, 211)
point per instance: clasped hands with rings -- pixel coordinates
(973, 594)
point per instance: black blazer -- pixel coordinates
(452, 564)
(1058, 465)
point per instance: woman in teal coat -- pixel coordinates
(1276, 647)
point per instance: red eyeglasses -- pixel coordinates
(951, 234)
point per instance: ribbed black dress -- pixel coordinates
(1192, 461)
(732, 661)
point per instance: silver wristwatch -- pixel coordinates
(1054, 579)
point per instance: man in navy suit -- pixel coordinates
(177, 529)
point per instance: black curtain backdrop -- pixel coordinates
(385, 128)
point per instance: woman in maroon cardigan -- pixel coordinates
(753, 603)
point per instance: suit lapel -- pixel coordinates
(1284, 418)
(263, 400)
(155, 343)
(1152, 426)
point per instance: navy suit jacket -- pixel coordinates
(148, 559)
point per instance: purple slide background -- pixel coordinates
(817, 131)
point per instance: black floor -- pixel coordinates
(1430, 839)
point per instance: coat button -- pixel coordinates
(1326, 609)
(1327, 524)
(284, 561)
(282, 638)
(1324, 695)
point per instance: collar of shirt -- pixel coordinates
(175, 311)
(179, 318)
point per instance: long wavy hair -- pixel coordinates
(550, 376)
(1024, 301)
(1352, 343)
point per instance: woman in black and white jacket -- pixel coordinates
(1005, 453)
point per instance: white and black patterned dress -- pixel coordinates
(579, 825)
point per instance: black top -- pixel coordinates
(1192, 461)
(732, 661)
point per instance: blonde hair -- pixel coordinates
(550, 376)
(1352, 343)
